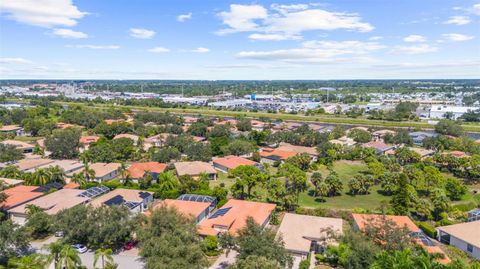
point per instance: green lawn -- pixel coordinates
(346, 170)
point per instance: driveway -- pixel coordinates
(125, 259)
(223, 261)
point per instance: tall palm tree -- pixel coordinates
(167, 181)
(54, 250)
(86, 157)
(41, 176)
(69, 258)
(123, 171)
(106, 257)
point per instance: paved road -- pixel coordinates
(125, 259)
(223, 261)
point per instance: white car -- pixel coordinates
(80, 248)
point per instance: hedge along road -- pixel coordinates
(290, 117)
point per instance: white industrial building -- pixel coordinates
(440, 111)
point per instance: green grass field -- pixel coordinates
(346, 170)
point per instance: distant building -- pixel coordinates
(14, 129)
(138, 170)
(379, 146)
(23, 146)
(105, 171)
(197, 211)
(455, 112)
(418, 137)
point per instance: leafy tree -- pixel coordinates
(248, 177)
(166, 154)
(256, 262)
(449, 127)
(199, 152)
(111, 130)
(360, 136)
(387, 234)
(440, 202)
(220, 131)
(244, 124)
(405, 259)
(455, 189)
(254, 240)
(239, 147)
(389, 182)
(169, 240)
(9, 153)
(337, 132)
(198, 129)
(210, 245)
(104, 226)
(39, 224)
(64, 143)
(14, 240)
(295, 179)
(401, 199)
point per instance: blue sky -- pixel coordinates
(192, 39)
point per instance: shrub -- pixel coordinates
(210, 245)
(304, 264)
(465, 207)
(428, 229)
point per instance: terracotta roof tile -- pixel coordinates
(232, 162)
(137, 170)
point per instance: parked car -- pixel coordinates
(80, 248)
(59, 234)
(129, 245)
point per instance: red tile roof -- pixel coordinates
(236, 217)
(89, 139)
(283, 155)
(137, 170)
(19, 195)
(232, 162)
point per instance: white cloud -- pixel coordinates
(415, 38)
(141, 33)
(458, 20)
(273, 37)
(415, 49)
(159, 50)
(111, 47)
(69, 33)
(15, 61)
(318, 52)
(44, 13)
(476, 9)
(375, 38)
(200, 50)
(184, 17)
(287, 21)
(457, 37)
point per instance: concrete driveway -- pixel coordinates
(125, 259)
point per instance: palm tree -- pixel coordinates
(106, 256)
(167, 181)
(86, 157)
(32, 209)
(54, 250)
(78, 178)
(56, 174)
(11, 171)
(68, 258)
(123, 171)
(40, 177)
(34, 261)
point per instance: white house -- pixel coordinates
(440, 111)
(465, 236)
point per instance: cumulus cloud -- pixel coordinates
(375, 38)
(476, 9)
(184, 17)
(200, 50)
(15, 61)
(141, 33)
(69, 33)
(282, 22)
(458, 20)
(414, 38)
(159, 50)
(415, 49)
(96, 47)
(44, 13)
(317, 52)
(457, 37)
